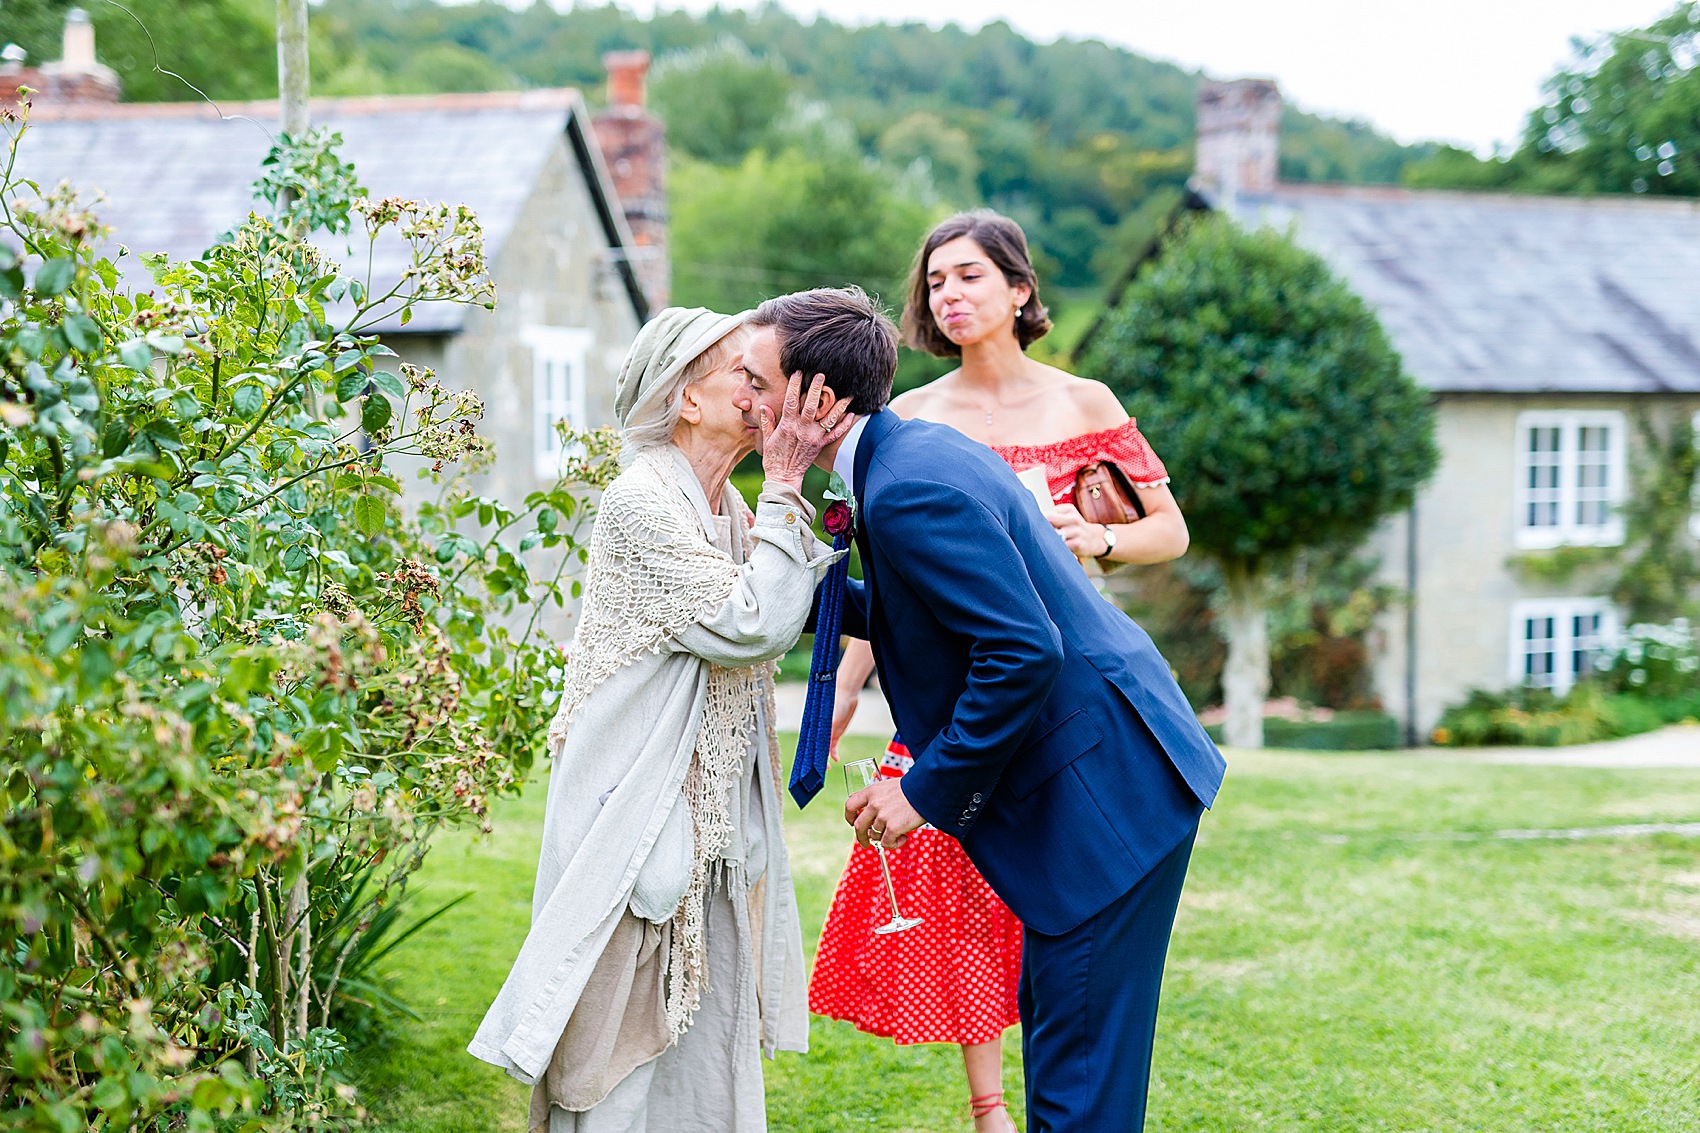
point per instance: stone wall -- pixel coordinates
(1465, 534)
(554, 272)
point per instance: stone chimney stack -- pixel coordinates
(77, 77)
(78, 50)
(634, 144)
(1239, 138)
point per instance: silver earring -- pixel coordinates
(1018, 311)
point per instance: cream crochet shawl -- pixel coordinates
(651, 574)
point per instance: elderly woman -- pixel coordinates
(664, 954)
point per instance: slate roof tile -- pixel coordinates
(176, 175)
(1513, 293)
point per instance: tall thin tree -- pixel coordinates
(292, 79)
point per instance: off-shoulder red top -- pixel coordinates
(1064, 459)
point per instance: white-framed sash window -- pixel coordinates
(1556, 641)
(1572, 473)
(557, 388)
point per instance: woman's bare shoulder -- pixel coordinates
(1097, 404)
(923, 401)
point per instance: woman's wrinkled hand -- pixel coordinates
(789, 446)
(1085, 540)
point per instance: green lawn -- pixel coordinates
(1356, 950)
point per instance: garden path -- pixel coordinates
(1675, 746)
(873, 715)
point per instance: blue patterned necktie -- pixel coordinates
(814, 737)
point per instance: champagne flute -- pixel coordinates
(858, 774)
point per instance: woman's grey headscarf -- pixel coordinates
(646, 400)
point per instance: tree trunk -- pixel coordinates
(292, 66)
(1245, 677)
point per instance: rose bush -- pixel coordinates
(240, 685)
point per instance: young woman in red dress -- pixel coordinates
(973, 295)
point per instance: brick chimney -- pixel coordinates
(634, 144)
(76, 77)
(1239, 138)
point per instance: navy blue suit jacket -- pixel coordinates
(1049, 736)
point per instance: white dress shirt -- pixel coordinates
(844, 460)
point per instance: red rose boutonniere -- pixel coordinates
(838, 519)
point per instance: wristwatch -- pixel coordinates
(1109, 540)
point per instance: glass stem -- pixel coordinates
(890, 889)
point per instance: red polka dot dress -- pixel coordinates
(953, 978)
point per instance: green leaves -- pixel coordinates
(247, 398)
(83, 334)
(389, 383)
(163, 435)
(54, 277)
(1241, 354)
(228, 652)
(351, 386)
(375, 414)
(369, 515)
(12, 281)
(136, 354)
(1621, 116)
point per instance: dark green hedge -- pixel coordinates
(1347, 731)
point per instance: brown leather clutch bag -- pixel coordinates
(1104, 494)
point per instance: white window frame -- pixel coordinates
(1569, 531)
(1563, 612)
(558, 357)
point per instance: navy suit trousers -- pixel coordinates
(1088, 1003)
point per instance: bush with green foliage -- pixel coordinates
(1366, 730)
(1658, 662)
(1272, 390)
(1536, 718)
(240, 686)
(1650, 678)
(1660, 575)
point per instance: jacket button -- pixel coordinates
(790, 517)
(977, 798)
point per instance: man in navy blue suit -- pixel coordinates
(1049, 736)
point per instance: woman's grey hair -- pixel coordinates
(656, 427)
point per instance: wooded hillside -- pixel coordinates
(1071, 137)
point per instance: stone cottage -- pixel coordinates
(1544, 327)
(578, 264)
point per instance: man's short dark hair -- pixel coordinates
(839, 332)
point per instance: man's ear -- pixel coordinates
(827, 400)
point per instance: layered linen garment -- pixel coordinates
(665, 954)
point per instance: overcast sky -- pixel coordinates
(1465, 71)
